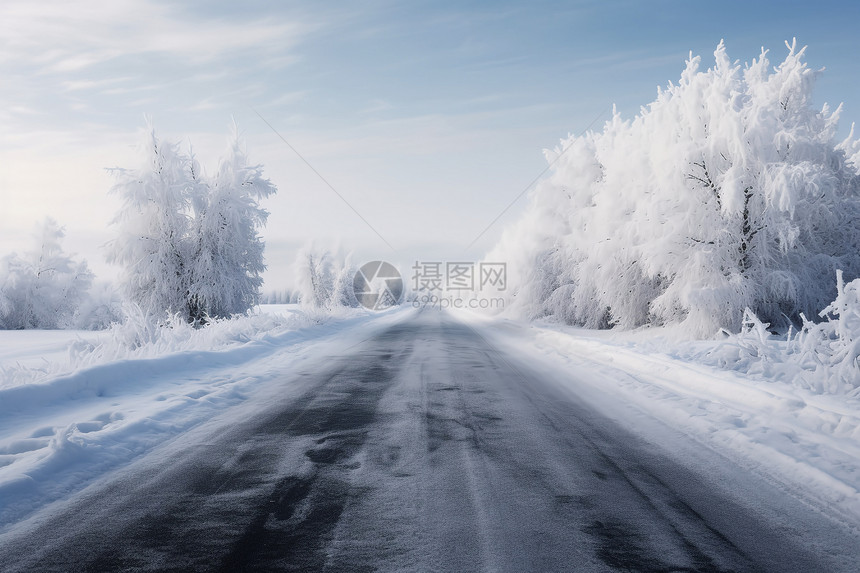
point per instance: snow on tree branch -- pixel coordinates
(727, 192)
(189, 244)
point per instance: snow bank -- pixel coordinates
(793, 435)
(142, 337)
(130, 389)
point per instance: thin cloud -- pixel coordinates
(56, 36)
(288, 98)
(91, 60)
(206, 105)
(81, 85)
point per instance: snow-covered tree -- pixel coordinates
(154, 227)
(189, 244)
(45, 287)
(343, 292)
(324, 280)
(727, 192)
(315, 275)
(228, 254)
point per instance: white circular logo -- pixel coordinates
(377, 285)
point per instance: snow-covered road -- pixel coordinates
(426, 447)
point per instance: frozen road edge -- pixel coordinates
(58, 436)
(806, 444)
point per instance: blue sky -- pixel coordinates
(428, 117)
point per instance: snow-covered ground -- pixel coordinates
(32, 356)
(807, 442)
(67, 418)
(38, 349)
(81, 414)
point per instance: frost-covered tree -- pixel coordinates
(45, 287)
(188, 244)
(324, 280)
(343, 293)
(153, 245)
(101, 308)
(315, 276)
(728, 191)
(228, 254)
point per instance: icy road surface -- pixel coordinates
(424, 448)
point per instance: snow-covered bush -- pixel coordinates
(45, 287)
(832, 348)
(822, 357)
(324, 280)
(146, 335)
(727, 192)
(188, 244)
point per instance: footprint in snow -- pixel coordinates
(23, 446)
(45, 432)
(99, 422)
(198, 394)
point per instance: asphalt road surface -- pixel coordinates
(423, 449)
